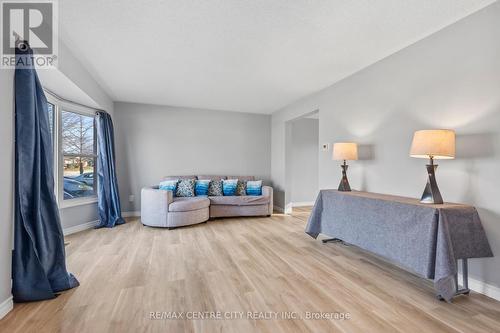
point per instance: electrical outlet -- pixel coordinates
(131, 198)
(325, 147)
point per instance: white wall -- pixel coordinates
(6, 182)
(304, 160)
(154, 141)
(448, 80)
(83, 78)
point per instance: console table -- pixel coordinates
(426, 239)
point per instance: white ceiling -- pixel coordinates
(236, 55)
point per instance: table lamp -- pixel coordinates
(433, 144)
(345, 151)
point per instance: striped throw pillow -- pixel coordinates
(229, 186)
(168, 185)
(254, 187)
(201, 187)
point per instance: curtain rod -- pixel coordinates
(70, 101)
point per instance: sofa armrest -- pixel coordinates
(267, 191)
(154, 206)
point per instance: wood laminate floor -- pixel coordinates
(266, 266)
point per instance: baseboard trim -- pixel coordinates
(79, 227)
(302, 203)
(6, 306)
(483, 287)
(131, 214)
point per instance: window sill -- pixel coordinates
(77, 202)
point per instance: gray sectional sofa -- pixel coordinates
(160, 208)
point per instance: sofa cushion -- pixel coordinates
(185, 188)
(239, 200)
(178, 177)
(215, 187)
(245, 178)
(212, 177)
(186, 204)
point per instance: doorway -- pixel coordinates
(302, 158)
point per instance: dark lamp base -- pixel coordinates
(344, 183)
(431, 194)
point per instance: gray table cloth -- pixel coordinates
(424, 238)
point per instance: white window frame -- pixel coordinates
(59, 106)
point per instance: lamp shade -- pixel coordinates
(438, 144)
(345, 151)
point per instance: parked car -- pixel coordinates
(75, 189)
(86, 178)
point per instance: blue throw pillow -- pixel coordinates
(201, 187)
(254, 187)
(169, 185)
(229, 186)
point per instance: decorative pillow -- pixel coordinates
(229, 186)
(254, 187)
(185, 188)
(201, 187)
(169, 185)
(215, 187)
(241, 188)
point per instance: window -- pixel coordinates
(79, 156)
(75, 151)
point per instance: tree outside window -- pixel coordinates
(79, 154)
